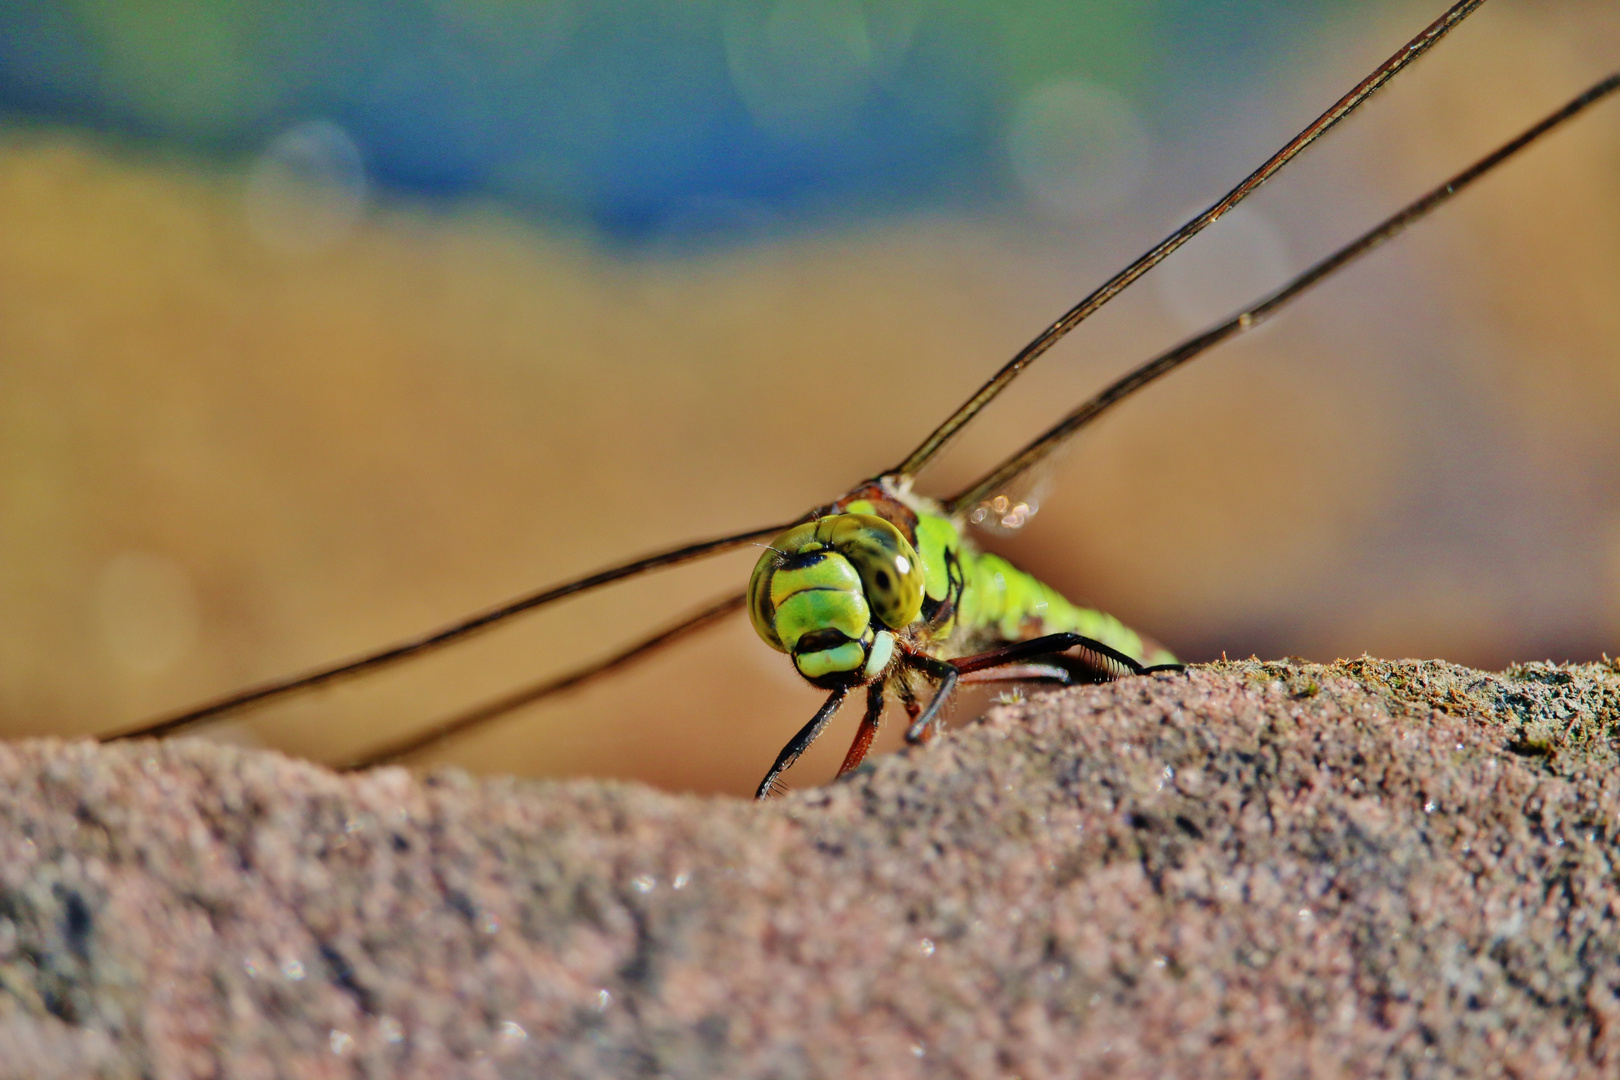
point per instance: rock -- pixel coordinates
(1248, 869)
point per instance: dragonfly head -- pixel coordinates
(831, 592)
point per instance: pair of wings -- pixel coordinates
(1014, 467)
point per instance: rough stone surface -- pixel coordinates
(1251, 869)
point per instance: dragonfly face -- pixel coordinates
(833, 592)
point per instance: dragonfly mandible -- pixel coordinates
(953, 631)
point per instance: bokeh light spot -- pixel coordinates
(804, 69)
(307, 190)
(147, 611)
(1230, 264)
(1077, 148)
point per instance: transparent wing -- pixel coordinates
(942, 436)
(480, 715)
(1007, 510)
(1039, 454)
(460, 630)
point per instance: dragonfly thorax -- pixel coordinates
(831, 593)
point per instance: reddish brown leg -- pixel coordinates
(1018, 673)
(947, 673)
(868, 729)
(913, 706)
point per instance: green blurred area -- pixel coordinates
(626, 117)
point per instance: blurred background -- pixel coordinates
(324, 323)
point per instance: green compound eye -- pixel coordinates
(761, 610)
(890, 571)
(836, 569)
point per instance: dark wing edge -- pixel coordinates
(459, 630)
(1252, 316)
(479, 715)
(942, 436)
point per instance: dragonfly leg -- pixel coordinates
(868, 729)
(947, 674)
(796, 746)
(1095, 656)
(1020, 673)
(908, 696)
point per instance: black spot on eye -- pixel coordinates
(882, 580)
(820, 641)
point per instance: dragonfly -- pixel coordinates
(910, 604)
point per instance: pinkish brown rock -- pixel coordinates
(1251, 869)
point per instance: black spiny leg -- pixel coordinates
(1098, 659)
(947, 674)
(868, 729)
(796, 746)
(1102, 662)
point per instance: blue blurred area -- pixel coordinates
(640, 119)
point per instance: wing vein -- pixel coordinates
(459, 630)
(947, 431)
(491, 710)
(1253, 316)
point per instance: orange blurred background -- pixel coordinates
(248, 424)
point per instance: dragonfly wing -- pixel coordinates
(942, 436)
(477, 716)
(1006, 511)
(1040, 452)
(460, 630)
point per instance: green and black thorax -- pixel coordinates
(884, 570)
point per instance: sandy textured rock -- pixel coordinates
(1252, 869)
